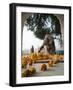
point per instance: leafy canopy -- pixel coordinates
(42, 24)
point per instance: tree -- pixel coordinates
(42, 24)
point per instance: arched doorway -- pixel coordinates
(40, 24)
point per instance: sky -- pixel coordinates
(29, 39)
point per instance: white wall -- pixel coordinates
(4, 44)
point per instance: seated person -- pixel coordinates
(49, 43)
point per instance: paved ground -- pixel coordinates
(56, 70)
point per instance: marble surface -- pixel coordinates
(56, 70)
